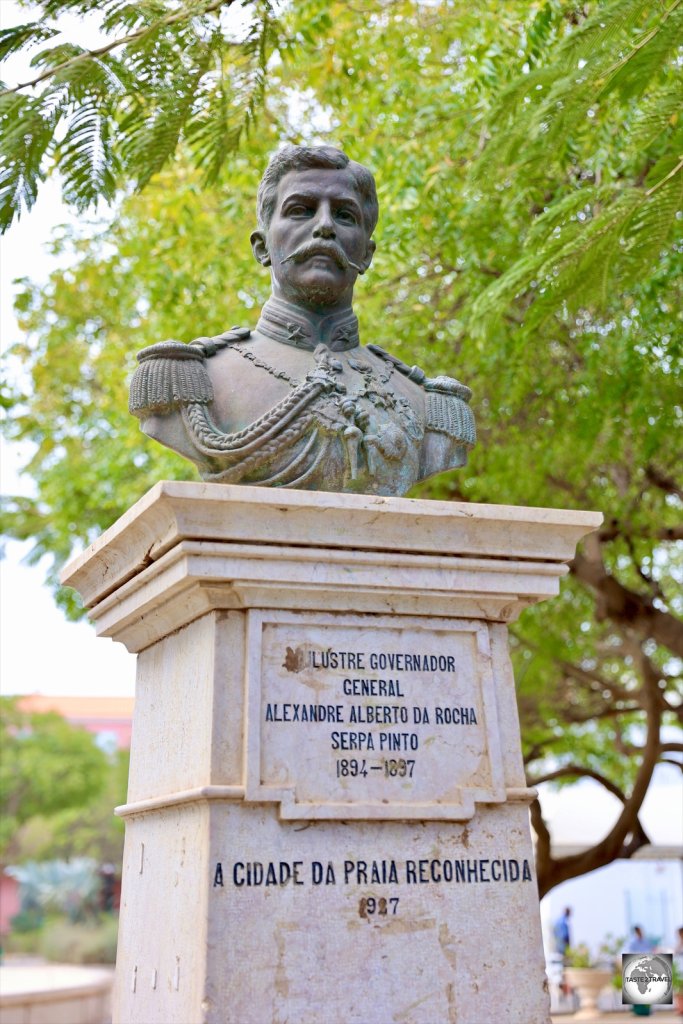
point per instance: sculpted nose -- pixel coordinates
(324, 224)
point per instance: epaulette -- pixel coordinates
(447, 409)
(171, 373)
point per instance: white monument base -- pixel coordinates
(327, 818)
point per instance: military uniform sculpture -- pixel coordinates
(298, 402)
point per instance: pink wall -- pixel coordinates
(9, 901)
(122, 729)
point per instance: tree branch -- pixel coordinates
(577, 770)
(592, 716)
(133, 37)
(663, 181)
(639, 838)
(649, 581)
(643, 42)
(593, 680)
(616, 843)
(664, 482)
(543, 855)
(615, 601)
(616, 528)
(570, 489)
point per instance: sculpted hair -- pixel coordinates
(304, 158)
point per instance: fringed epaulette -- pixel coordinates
(447, 409)
(172, 374)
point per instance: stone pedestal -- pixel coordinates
(327, 818)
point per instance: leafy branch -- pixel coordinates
(590, 234)
(183, 14)
(177, 79)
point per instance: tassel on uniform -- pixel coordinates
(169, 375)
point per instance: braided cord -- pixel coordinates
(211, 441)
(236, 472)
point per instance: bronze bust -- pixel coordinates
(297, 401)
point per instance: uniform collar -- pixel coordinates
(292, 325)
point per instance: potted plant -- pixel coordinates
(638, 1009)
(678, 987)
(582, 973)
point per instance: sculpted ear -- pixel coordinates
(259, 248)
(369, 253)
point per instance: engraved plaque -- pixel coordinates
(359, 717)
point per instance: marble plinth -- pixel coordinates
(327, 816)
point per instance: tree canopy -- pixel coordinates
(85, 829)
(166, 72)
(48, 767)
(528, 159)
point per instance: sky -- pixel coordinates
(40, 651)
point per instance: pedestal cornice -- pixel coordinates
(185, 549)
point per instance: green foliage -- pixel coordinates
(579, 956)
(27, 921)
(66, 942)
(57, 887)
(677, 975)
(550, 137)
(91, 830)
(90, 943)
(114, 116)
(47, 767)
(527, 247)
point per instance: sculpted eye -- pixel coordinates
(346, 216)
(299, 210)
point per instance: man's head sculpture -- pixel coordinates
(315, 203)
(297, 401)
(314, 158)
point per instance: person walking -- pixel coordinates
(562, 935)
(637, 942)
(561, 931)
